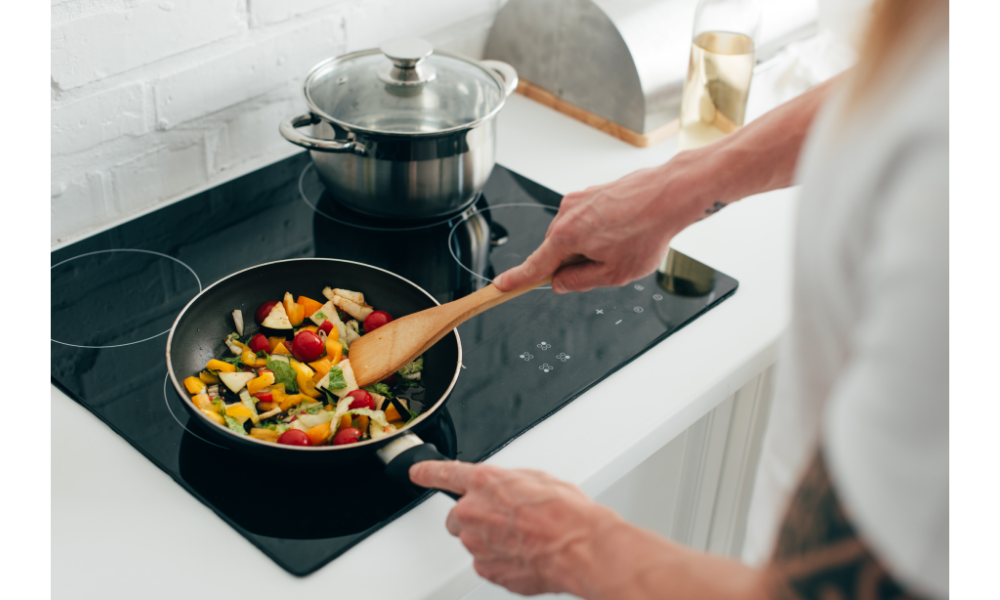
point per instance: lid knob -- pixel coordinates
(406, 55)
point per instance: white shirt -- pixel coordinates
(863, 371)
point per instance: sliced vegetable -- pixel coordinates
(248, 402)
(321, 368)
(202, 401)
(309, 305)
(284, 374)
(358, 311)
(258, 383)
(238, 321)
(304, 379)
(293, 309)
(235, 424)
(211, 414)
(268, 435)
(264, 311)
(220, 366)
(194, 385)
(413, 368)
(318, 434)
(272, 343)
(239, 412)
(334, 350)
(236, 381)
(208, 377)
(278, 318)
(352, 331)
(327, 312)
(281, 349)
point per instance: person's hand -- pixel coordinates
(622, 228)
(526, 530)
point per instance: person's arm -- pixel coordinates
(533, 534)
(624, 227)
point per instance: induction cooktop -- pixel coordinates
(116, 294)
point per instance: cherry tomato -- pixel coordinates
(307, 346)
(376, 320)
(263, 311)
(344, 436)
(326, 327)
(258, 343)
(264, 396)
(362, 399)
(295, 437)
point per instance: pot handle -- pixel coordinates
(289, 130)
(399, 467)
(505, 71)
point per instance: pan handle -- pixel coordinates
(399, 467)
(289, 130)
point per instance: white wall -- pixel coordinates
(155, 99)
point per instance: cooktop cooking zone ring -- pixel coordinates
(166, 399)
(97, 298)
(517, 242)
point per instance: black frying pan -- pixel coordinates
(198, 333)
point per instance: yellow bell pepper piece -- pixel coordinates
(211, 414)
(318, 434)
(256, 384)
(267, 435)
(312, 328)
(391, 414)
(280, 349)
(304, 377)
(239, 412)
(221, 366)
(194, 385)
(363, 423)
(345, 422)
(322, 367)
(208, 378)
(250, 359)
(292, 400)
(202, 401)
(333, 351)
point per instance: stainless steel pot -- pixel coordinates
(401, 131)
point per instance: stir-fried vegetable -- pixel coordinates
(291, 381)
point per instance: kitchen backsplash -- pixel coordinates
(153, 100)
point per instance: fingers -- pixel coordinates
(451, 475)
(582, 277)
(543, 262)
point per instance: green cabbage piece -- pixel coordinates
(414, 367)
(336, 381)
(284, 373)
(235, 425)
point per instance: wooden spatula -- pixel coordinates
(382, 352)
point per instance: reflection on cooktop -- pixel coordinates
(522, 361)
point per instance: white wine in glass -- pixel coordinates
(715, 92)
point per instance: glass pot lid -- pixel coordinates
(403, 87)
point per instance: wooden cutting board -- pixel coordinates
(642, 140)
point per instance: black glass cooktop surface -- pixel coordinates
(116, 294)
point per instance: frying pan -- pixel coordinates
(198, 332)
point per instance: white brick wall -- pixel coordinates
(153, 100)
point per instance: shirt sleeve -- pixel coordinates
(885, 431)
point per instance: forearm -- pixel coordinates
(621, 561)
(754, 159)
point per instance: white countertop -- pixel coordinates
(123, 528)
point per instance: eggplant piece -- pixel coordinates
(236, 381)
